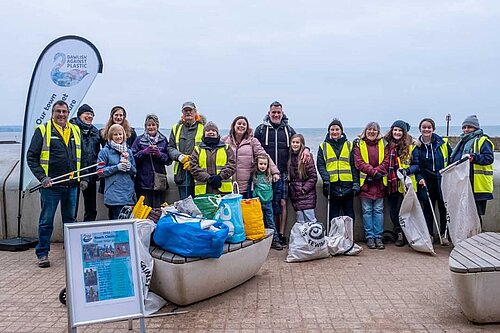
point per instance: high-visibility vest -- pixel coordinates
(483, 174)
(220, 163)
(363, 149)
(46, 131)
(177, 128)
(405, 164)
(444, 151)
(338, 167)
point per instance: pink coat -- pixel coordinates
(245, 154)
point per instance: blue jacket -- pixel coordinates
(145, 161)
(119, 188)
(429, 158)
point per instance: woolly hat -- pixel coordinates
(337, 122)
(401, 124)
(211, 126)
(471, 121)
(84, 108)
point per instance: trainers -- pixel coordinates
(446, 242)
(400, 241)
(371, 243)
(276, 245)
(379, 243)
(43, 262)
(283, 240)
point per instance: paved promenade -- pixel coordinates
(394, 290)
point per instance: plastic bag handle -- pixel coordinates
(237, 188)
(215, 204)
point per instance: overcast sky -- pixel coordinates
(355, 60)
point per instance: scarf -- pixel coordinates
(153, 139)
(211, 143)
(119, 147)
(392, 178)
(83, 127)
(465, 145)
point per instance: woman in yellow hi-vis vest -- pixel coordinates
(337, 169)
(479, 147)
(212, 163)
(400, 147)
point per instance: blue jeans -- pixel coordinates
(50, 198)
(267, 211)
(373, 217)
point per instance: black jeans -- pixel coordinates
(343, 203)
(395, 200)
(435, 196)
(152, 198)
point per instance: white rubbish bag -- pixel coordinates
(340, 239)
(152, 302)
(307, 242)
(462, 217)
(412, 220)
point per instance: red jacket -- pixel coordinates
(371, 189)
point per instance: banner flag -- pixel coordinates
(461, 212)
(64, 71)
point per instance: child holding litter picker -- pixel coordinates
(118, 170)
(303, 178)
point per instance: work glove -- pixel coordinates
(326, 189)
(122, 166)
(46, 182)
(215, 181)
(187, 166)
(83, 185)
(183, 158)
(377, 176)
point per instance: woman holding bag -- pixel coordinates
(151, 156)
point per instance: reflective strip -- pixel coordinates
(220, 163)
(338, 167)
(363, 149)
(483, 172)
(177, 134)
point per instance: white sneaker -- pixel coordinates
(446, 242)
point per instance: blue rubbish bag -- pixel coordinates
(229, 212)
(188, 239)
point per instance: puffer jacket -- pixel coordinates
(145, 161)
(302, 192)
(245, 154)
(119, 188)
(339, 188)
(371, 189)
(275, 139)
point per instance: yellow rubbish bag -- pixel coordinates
(253, 219)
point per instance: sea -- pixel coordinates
(313, 136)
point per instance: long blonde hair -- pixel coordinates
(301, 166)
(267, 173)
(124, 124)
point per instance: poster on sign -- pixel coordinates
(102, 272)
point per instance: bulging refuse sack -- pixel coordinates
(307, 242)
(340, 239)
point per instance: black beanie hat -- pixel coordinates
(401, 124)
(84, 108)
(337, 122)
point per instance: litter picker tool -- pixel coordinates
(434, 215)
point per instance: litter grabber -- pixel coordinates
(70, 175)
(436, 223)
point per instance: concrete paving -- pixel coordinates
(392, 290)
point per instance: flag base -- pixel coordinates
(18, 244)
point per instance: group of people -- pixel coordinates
(272, 163)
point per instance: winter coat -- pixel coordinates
(119, 188)
(91, 146)
(145, 161)
(302, 192)
(275, 139)
(202, 175)
(245, 154)
(62, 158)
(371, 189)
(186, 146)
(339, 188)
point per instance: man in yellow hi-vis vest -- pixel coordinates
(185, 135)
(479, 147)
(55, 150)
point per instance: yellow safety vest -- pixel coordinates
(339, 168)
(46, 131)
(405, 164)
(220, 162)
(177, 133)
(363, 149)
(444, 151)
(483, 174)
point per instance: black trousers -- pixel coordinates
(152, 198)
(342, 206)
(89, 202)
(395, 200)
(435, 196)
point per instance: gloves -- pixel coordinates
(129, 165)
(122, 166)
(377, 176)
(215, 181)
(46, 182)
(148, 150)
(187, 166)
(156, 151)
(183, 158)
(326, 189)
(83, 185)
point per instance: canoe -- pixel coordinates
(183, 281)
